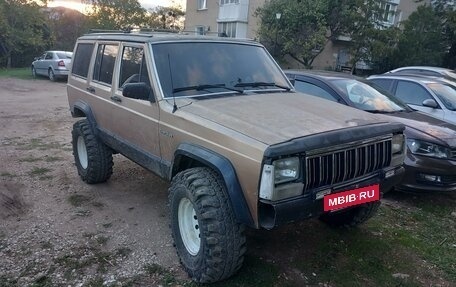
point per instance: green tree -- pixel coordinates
(66, 26)
(300, 32)
(115, 14)
(171, 18)
(381, 49)
(422, 41)
(23, 29)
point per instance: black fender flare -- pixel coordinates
(80, 106)
(225, 169)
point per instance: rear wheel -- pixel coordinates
(209, 241)
(92, 157)
(351, 217)
(51, 75)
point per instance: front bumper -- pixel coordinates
(273, 214)
(416, 166)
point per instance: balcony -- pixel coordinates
(234, 12)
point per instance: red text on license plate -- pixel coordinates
(351, 197)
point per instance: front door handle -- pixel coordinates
(91, 89)
(116, 99)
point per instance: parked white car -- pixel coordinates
(52, 64)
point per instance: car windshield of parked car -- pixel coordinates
(446, 94)
(368, 98)
(64, 55)
(205, 69)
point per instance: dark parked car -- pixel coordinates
(430, 163)
(433, 96)
(52, 64)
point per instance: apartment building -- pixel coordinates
(235, 18)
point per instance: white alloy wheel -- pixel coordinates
(188, 226)
(82, 153)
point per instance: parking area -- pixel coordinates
(57, 230)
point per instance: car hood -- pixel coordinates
(424, 127)
(278, 117)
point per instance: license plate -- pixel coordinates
(351, 197)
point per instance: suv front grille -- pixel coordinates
(350, 163)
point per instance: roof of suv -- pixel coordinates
(160, 37)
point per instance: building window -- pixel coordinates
(199, 30)
(388, 13)
(227, 29)
(202, 4)
(224, 2)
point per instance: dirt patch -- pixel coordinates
(61, 230)
(11, 200)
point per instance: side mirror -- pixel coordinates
(139, 91)
(430, 103)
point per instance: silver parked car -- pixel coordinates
(433, 96)
(425, 71)
(53, 64)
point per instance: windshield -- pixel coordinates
(365, 97)
(446, 93)
(191, 69)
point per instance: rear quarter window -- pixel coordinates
(81, 59)
(383, 83)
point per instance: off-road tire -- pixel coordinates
(51, 75)
(221, 247)
(351, 217)
(95, 163)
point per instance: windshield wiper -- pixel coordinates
(380, 111)
(261, 84)
(205, 87)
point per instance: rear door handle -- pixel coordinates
(116, 99)
(91, 89)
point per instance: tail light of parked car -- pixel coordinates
(61, 63)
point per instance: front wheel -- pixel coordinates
(209, 241)
(33, 72)
(93, 158)
(351, 217)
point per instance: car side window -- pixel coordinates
(133, 68)
(82, 59)
(104, 63)
(411, 93)
(314, 90)
(383, 83)
(48, 56)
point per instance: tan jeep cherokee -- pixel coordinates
(219, 119)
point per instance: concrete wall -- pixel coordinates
(206, 17)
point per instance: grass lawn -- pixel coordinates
(410, 242)
(22, 73)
